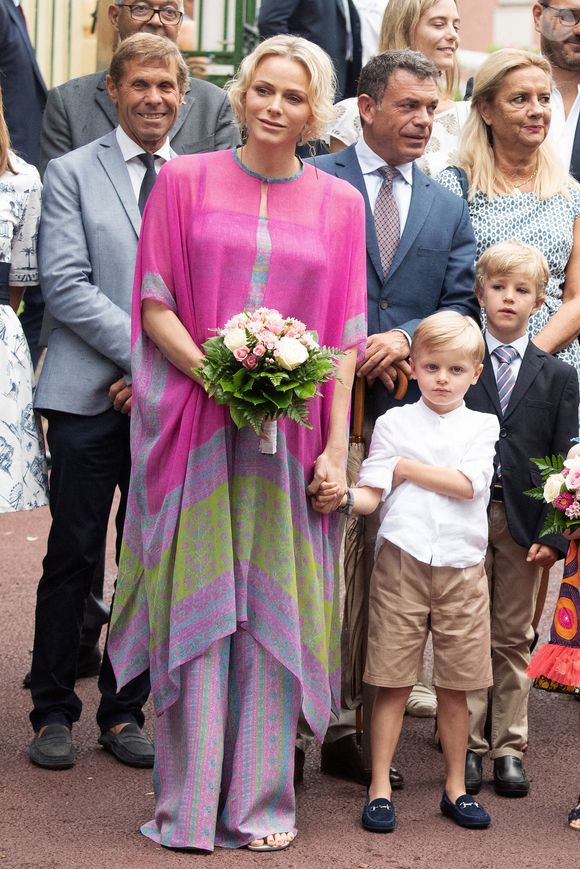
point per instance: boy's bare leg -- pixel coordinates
(386, 723)
(452, 721)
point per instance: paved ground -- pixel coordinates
(89, 816)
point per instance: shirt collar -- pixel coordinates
(130, 148)
(451, 414)
(519, 344)
(369, 161)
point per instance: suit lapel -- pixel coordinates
(532, 363)
(184, 110)
(112, 162)
(105, 102)
(421, 200)
(489, 382)
(349, 169)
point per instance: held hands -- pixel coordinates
(542, 555)
(382, 351)
(120, 394)
(328, 484)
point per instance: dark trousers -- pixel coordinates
(90, 458)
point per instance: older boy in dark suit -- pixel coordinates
(535, 397)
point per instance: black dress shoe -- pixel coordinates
(509, 777)
(53, 748)
(131, 746)
(343, 759)
(473, 772)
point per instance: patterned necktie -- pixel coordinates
(506, 381)
(387, 223)
(149, 178)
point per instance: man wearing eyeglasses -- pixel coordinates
(558, 23)
(80, 111)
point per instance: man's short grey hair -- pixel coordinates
(375, 75)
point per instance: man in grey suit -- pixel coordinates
(81, 110)
(90, 226)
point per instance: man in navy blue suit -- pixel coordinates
(420, 252)
(433, 264)
(22, 84)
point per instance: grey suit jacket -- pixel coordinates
(89, 230)
(80, 111)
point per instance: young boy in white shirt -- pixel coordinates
(430, 464)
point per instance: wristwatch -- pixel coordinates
(347, 508)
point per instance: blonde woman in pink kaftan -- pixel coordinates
(228, 579)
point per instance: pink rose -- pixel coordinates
(259, 350)
(241, 353)
(563, 501)
(250, 361)
(573, 479)
(275, 325)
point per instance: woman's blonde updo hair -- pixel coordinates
(318, 65)
(398, 26)
(475, 152)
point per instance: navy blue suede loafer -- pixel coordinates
(379, 816)
(465, 811)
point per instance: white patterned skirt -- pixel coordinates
(23, 477)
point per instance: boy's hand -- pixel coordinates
(326, 498)
(544, 556)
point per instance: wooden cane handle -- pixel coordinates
(402, 384)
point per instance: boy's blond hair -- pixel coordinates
(449, 330)
(509, 257)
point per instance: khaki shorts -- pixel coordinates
(406, 599)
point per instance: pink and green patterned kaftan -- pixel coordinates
(218, 535)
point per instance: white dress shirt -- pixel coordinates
(562, 128)
(520, 345)
(435, 529)
(370, 163)
(136, 168)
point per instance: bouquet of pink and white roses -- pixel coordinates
(265, 366)
(560, 489)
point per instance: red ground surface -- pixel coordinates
(89, 816)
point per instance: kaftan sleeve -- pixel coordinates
(355, 322)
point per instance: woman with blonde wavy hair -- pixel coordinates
(228, 579)
(517, 188)
(431, 27)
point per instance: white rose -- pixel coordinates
(291, 353)
(553, 487)
(235, 339)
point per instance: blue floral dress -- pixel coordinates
(23, 477)
(546, 224)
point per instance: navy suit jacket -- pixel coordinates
(433, 267)
(322, 22)
(22, 84)
(540, 420)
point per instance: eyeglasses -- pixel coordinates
(143, 12)
(566, 17)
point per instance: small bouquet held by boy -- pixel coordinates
(561, 489)
(264, 367)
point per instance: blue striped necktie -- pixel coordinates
(504, 376)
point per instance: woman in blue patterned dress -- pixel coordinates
(23, 479)
(517, 188)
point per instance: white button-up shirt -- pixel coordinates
(520, 344)
(435, 529)
(562, 127)
(370, 163)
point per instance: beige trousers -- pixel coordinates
(513, 589)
